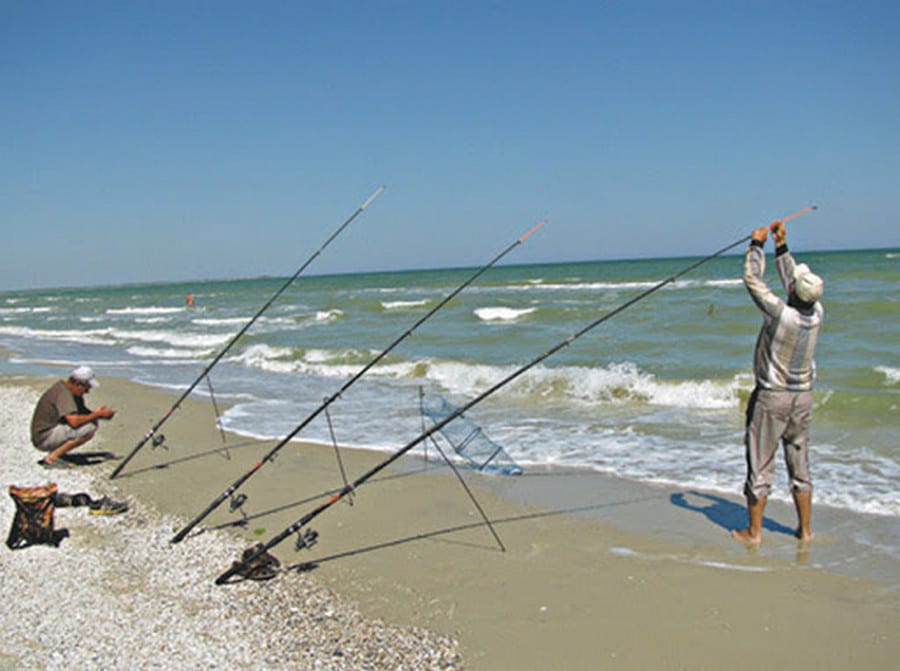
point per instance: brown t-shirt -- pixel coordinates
(52, 408)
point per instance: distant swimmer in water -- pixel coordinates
(784, 367)
(190, 300)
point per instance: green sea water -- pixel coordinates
(654, 394)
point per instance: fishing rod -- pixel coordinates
(152, 432)
(308, 537)
(328, 401)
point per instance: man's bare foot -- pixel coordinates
(746, 537)
(804, 537)
(55, 464)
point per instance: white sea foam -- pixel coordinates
(267, 357)
(144, 311)
(176, 338)
(339, 364)
(891, 374)
(114, 336)
(328, 315)
(723, 283)
(225, 321)
(502, 314)
(583, 286)
(872, 477)
(320, 362)
(151, 320)
(28, 310)
(395, 305)
(385, 290)
(326, 356)
(168, 353)
(705, 394)
(319, 356)
(93, 337)
(615, 384)
(616, 286)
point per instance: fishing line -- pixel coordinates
(337, 452)
(215, 405)
(471, 494)
(297, 527)
(328, 401)
(456, 472)
(422, 417)
(150, 434)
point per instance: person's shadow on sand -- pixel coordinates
(89, 458)
(725, 513)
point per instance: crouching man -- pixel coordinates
(61, 420)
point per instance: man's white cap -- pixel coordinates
(85, 375)
(808, 286)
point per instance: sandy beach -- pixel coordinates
(594, 572)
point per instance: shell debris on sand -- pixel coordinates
(116, 594)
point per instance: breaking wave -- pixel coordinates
(501, 314)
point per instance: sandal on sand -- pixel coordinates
(106, 506)
(58, 464)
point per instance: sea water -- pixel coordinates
(654, 394)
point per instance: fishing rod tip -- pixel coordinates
(374, 195)
(529, 233)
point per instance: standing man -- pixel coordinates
(61, 421)
(780, 407)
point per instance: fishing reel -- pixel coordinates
(159, 439)
(306, 539)
(236, 502)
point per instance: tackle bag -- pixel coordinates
(33, 523)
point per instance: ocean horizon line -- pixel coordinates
(422, 269)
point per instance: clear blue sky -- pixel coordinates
(152, 141)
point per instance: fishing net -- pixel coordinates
(467, 438)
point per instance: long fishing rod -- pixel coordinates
(150, 434)
(308, 537)
(328, 401)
